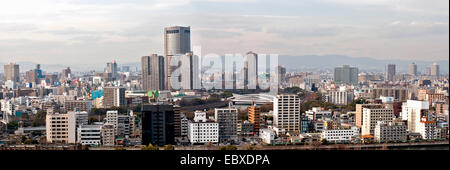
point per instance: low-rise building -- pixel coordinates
(89, 134)
(340, 135)
(391, 131)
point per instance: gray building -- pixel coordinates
(390, 72)
(111, 67)
(227, 119)
(114, 97)
(12, 72)
(346, 75)
(153, 77)
(177, 40)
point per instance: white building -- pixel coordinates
(121, 122)
(340, 135)
(390, 132)
(372, 115)
(340, 97)
(317, 113)
(287, 114)
(267, 135)
(89, 134)
(203, 132)
(413, 111)
(75, 119)
(427, 129)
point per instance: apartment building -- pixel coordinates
(286, 112)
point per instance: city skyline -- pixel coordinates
(61, 32)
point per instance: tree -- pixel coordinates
(150, 147)
(324, 141)
(39, 118)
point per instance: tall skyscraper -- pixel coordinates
(390, 72)
(158, 124)
(413, 69)
(114, 97)
(66, 73)
(286, 112)
(153, 77)
(251, 70)
(12, 72)
(111, 67)
(435, 70)
(177, 41)
(346, 75)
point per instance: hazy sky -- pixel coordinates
(80, 31)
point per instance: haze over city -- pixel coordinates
(85, 32)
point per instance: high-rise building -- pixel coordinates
(177, 41)
(12, 72)
(57, 127)
(66, 74)
(251, 70)
(75, 119)
(390, 132)
(413, 69)
(413, 111)
(359, 112)
(286, 112)
(111, 67)
(371, 116)
(153, 76)
(157, 124)
(254, 117)
(114, 97)
(227, 119)
(346, 75)
(390, 72)
(435, 70)
(202, 130)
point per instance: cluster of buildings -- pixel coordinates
(123, 106)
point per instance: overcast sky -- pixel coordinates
(80, 31)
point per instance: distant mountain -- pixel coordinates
(364, 64)
(300, 63)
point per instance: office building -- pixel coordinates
(340, 135)
(371, 116)
(202, 130)
(286, 112)
(413, 69)
(339, 97)
(89, 135)
(12, 72)
(254, 117)
(78, 105)
(390, 132)
(66, 74)
(399, 94)
(111, 67)
(434, 70)
(346, 75)
(413, 111)
(359, 112)
(390, 72)
(57, 127)
(153, 75)
(251, 70)
(227, 120)
(114, 97)
(157, 124)
(75, 119)
(108, 134)
(177, 41)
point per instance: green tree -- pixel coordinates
(39, 118)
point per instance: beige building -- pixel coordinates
(108, 134)
(372, 116)
(114, 97)
(57, 127)
(12, 72)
